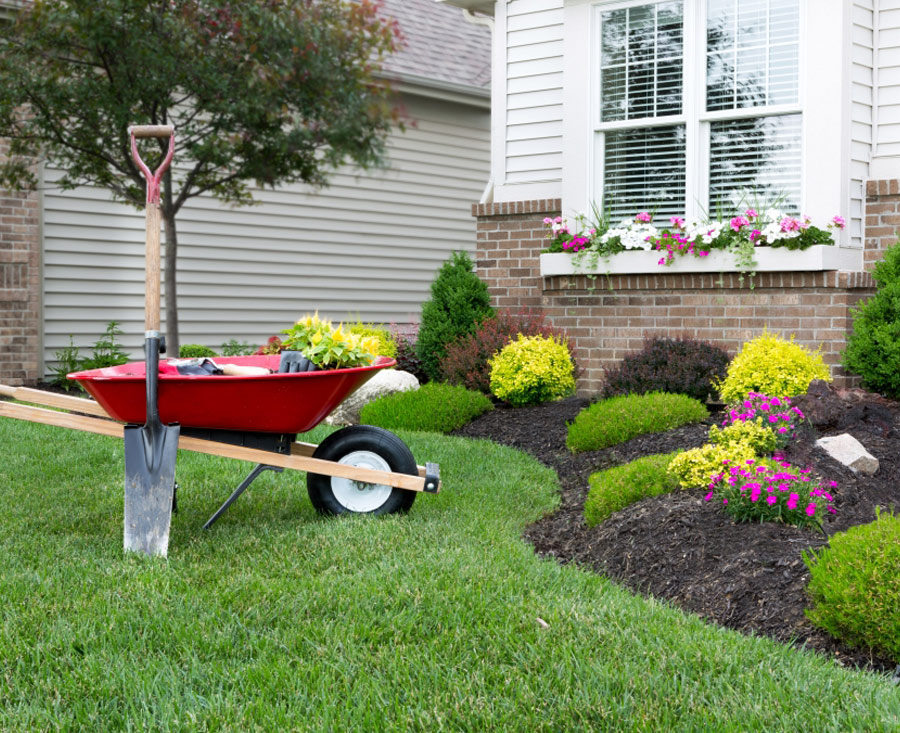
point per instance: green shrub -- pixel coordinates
(696, 467)
(195, 351)
(67, 361)
(680, 366)
(386, 345)
(855, 586)
(616, 488)
(467, 360)
(459, 302)
(532, 370)
(434, 407)
(107, 350)
(873, 346)
(750, 432)
(233, 347)
(773, 366)
(618, 419)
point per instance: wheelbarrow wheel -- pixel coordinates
(364, 446)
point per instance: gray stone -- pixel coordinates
(848, 450)
(385, 382)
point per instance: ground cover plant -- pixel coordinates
(442, 619)
(617, 487)
(434, 407)
(618, 419)
(679, 365)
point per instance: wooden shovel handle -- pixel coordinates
(151, 130)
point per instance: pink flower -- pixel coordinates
(755, 234)
(839, 222)
(709, 496)
(771, 499)
(548, 220)
(750, 213)
(558, 220)
(662, 261)
(789, 224)
(677, 221)
(644, 216)
(792, 501)
(738, 222)
(810, 509)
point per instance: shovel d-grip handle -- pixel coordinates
(153, 178)
(152, 268)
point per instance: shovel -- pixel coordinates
(151, 449)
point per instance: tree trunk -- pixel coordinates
(172, 343)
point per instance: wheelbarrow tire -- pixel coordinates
(369, 447)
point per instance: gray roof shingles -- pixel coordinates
(439, 44)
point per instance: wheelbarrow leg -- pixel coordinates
(245, 484)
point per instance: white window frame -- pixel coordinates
(823, 103)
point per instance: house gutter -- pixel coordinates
(448, 91)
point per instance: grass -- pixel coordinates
(280, 620)
(434, 407)
(617, 419)
(617, 487)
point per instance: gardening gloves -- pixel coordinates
(294, 361)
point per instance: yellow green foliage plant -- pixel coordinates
(773, 366)
(532, 370)
(698, 466)
(759, 437)
(328, 347)
(386, 345)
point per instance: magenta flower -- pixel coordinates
(644, 216)
(792, 501)
(738, 222)
(771, 499)
(810, 509)
(750, 213)
(709, 496)
(677, 221)
(839, 222)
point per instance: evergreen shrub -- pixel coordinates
(195, 351)
(434, 407)
(617, 487)
(532, 370)
(459, 302)
(680, 365)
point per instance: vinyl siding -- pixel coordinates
(534, 91)
(862, 113)
(366, 247)
(888, 91)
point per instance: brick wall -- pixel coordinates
(20, 286)
(882, 219)
(608, 316)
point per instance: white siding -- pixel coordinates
(862, 112)
(534, 91)
(888, 76)
(366, 247)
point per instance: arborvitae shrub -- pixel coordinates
(773, 366)
(873, 347)
(459, 302)
(466, 361)
(675, 365)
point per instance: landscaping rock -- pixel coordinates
(848, 450)
(385, 382)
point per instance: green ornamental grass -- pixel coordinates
(434, 407)
(618, 419)
(617, 487)
(855, 586)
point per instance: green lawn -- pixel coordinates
(280, 620)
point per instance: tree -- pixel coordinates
(268, 91)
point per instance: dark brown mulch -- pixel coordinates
(678, 547)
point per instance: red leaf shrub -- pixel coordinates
(466, 359)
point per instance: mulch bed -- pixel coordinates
(750, 576)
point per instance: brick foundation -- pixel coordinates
(20, 287)
(609, 316)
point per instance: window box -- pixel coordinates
(640, 262)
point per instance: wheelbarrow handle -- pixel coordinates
(153, 178)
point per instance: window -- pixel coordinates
(689, 122)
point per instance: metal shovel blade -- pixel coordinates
(150, 454)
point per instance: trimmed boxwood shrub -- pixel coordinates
(873, 346)
(466, 360)
(434, 407)
(618, 419)
(617, 487)
(195, 351)
(678, 365)
(459, 302)
(855, 586)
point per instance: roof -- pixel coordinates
(439, 44)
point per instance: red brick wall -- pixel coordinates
(608, 316)
(20, 287)
(882, 219)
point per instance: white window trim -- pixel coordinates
(824, 101)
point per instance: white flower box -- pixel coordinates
(642, 262)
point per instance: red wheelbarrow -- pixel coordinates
(360, 469)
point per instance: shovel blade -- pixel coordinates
(150, 456)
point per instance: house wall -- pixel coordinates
(366, 247)
(609, 316)
(20, 277)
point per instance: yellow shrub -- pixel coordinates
(751, 432)
(773, 366)
(532, 370)
(696, 467)
(386, 345)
